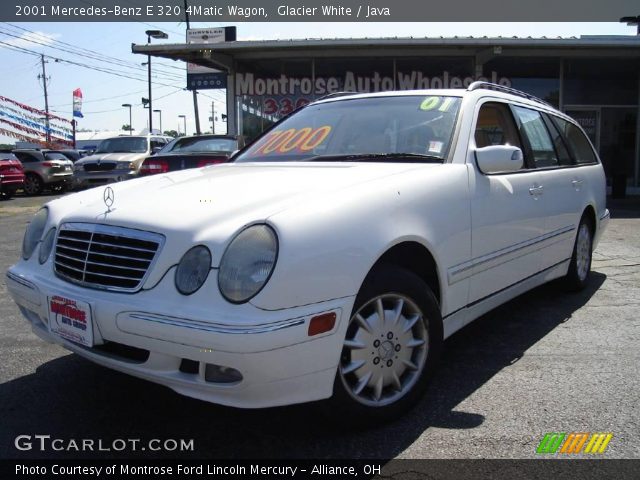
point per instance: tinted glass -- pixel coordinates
(199, 144)
(123, 145)
(564, 158)
(421, 125)
(578, 143)
(533, 128)
(495, 126)
(54, 156)
(26, 157)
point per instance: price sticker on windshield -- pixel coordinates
(293, 140)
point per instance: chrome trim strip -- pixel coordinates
(467, 269)
(126, 232)
(215, 327)
(20, 280)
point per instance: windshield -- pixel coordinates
(384, 127)
(123, 145)
(200, 144)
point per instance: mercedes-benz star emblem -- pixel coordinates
(108, 196)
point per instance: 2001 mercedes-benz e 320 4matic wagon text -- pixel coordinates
(330, 259)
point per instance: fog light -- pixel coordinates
(219, 374)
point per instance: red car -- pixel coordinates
(191, 152)
(11, 175)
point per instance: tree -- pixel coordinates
(171, 133)
(127, 128)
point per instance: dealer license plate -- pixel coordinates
(71, 320)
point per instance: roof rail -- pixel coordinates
(501, 88)
(335, 95)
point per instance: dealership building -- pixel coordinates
(595, 79)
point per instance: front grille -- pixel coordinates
(105, 257)
(99, 167)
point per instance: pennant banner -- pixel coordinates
(34, 125)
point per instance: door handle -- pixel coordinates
(576, 183)
(536, 190)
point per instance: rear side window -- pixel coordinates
(564, 158)
(54, 156)
(577, 141)
(25, 157)
(532, 127)
(495, 126)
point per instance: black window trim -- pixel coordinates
(568, 144)
(526, 151)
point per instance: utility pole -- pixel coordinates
(149, 81)
(213, 118)
(44, 78)
(195, 93)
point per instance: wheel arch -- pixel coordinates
(590, 213)
(416, 258)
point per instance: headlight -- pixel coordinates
(248, 263)
(46, 246)
(193, 270)
(34, 231)
(126, 166)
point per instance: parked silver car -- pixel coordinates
(116, 159)
(45, 169)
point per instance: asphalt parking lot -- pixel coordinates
(545, 362)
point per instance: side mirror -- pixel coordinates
(499, 158)
(155, 150)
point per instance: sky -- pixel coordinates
(104, 93)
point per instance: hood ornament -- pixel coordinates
(108, 197)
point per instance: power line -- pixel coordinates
(48, 42)
(93, 52)
(164, 75)
(84, 65)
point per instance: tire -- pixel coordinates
(7, 193)
(32, 185)
(577, 277)
(385, 366)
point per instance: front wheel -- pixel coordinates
(391, 347)
(578, 275)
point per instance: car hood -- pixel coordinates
(209, 205)
(114, 157)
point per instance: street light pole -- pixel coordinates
(154, 34)
(130, 126)
(160, 114)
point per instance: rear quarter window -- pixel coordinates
(576, 140)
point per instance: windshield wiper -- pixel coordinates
(375, 157)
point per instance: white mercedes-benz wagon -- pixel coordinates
(333, 256)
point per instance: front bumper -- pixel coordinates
(84, 178)
(279, 363)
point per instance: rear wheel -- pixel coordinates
(578, 275)
(32, 184)
(391, 347)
